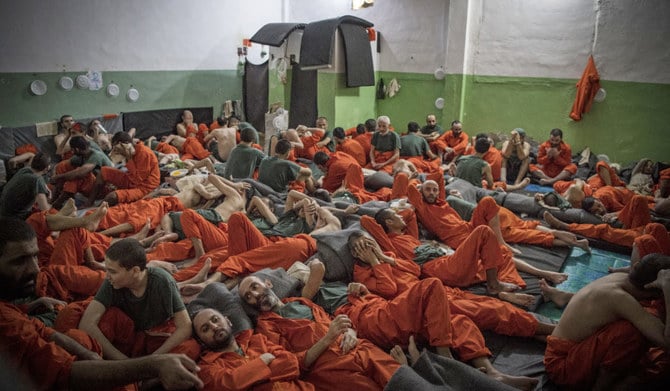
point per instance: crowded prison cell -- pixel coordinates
(349, 198)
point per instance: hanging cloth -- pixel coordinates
(587, 87)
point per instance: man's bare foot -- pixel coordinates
(525, 182)
(69, 208)
(398, 355)
(514, 250)
(202, 274)
(584, 245)
(169, 267)
(559, 297)
(163, 238)
(93, 219)
(521, 299)
(554, 222)
(518, 382)
(190, 291)
(554, 277)
(142, 234)
(413, 350)
(495, 289)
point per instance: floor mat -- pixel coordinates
(583, 268)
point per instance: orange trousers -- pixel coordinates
(196, 226)
(67, 282)
(617, 345)
(192, 149)
(516, 230)
(136, 213)
(72, 244)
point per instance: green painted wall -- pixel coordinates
(344, 106)
(158, 90)
(630, 124)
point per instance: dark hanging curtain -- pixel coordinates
(303, 109)
(255, 88)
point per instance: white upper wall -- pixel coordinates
(128, 35)
(552, 38)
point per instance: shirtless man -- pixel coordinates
(598, 350)
(186, 125)
(225, 137)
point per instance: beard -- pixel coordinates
(267, 301)
(222, 340)
(12, 290)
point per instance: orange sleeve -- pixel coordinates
(381, 237)
(542, 157)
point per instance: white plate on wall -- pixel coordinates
(133, 95)
(66, 83)
(38, 87)
(82, 82)
(112, 89)
(439, 73)
(439, 103)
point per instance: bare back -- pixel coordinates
(602, 302)
(225, 138)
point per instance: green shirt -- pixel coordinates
(210, 215)
(296, 310)
(277, 173)
(331, 296)
(96, 158)
(18, 195)
(288, 225)
(242, 162)
(331, 143)
(470, 168)
(413, 145)
(387, 142)
(161, 300)
(428, 130)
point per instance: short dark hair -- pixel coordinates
(412, 127)
(248, 134)
(556, 132)
(482, 145)
(320, 158)
(339, 132)
(323, 195)
(360, 129)
(587, 203)
(646, 270)
(481, 135)
(40, 161)
(382, 215)
(222, 120)
(551, 199)
(128, 253)
(14, 230)
(454, 122)
(371, 125)
(282, 147)
(79, 142)
(121, 137)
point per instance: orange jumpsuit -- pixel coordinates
(136, 213)
(554, 166)
(25, 148)
(423, 165)
(365, 139)
(26, 348)
(617, 345)
(309, 145)
(336, 170)
(381, 157)
(167, 149)
(356, 185)
(67, 282)
(193, 149)
(487, 313)
(635, 212)
(231, 371)
(494, 158)
(72, 243)
(562, 186)
(196, 226)
(596, 180)
(587, 87)
(353, 149)
(250, 251)
(45, 242)
(466, 266)
(647, 244)
(516, 230)
(142, 177)
(606, 232)
(458, 143)
(83, 184)
(661, 235)
(365, 367)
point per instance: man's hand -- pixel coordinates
(662, 280)
(349, 341)
(178, 372)
(338, 326)
(47, 302)
(357, 289)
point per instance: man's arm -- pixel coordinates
(627, 307)
(175, 371)
(183, 332)
(89, 323)
(338, 326)
(73, 347)
(42, 201)
(488, 175)
(76, 173)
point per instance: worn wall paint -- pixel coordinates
(158, 90)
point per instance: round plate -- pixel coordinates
(600, 95)
(66, 83)
(279, 123)
(133, 95)
(179, 173)
(439, 103)
(439, 73)
(82, 81)
(113, 89)
(38, 87)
